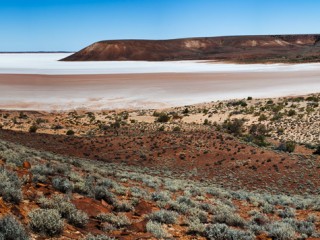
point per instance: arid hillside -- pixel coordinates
(273, 48)
(245, 169)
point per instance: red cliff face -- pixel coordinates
(273, 48)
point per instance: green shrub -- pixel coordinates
(262, 117)
(12, 229)
(291, 113)
(287, 146)
(46, 222)
(163, 118)
(234, 126)
(176, 129)
(70, 132)
(33, 129)
(317, 152)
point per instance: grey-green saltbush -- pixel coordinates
(281, 231)
(197, 213)
(302, 227)
(66, 209)
(103, 193)
(156, 230)
(47, 222)
(196, 226)
(160, 196)
(287, 212)
(123, 206)
(118, 221)
(164, 216)
(10, 186)
(41, 170)
(12, 229)
(186, 200)
(98, 237)
(13, 157)
(108, 183)
(225, 215)
(62, 184)
(220, 231)
(138, 192)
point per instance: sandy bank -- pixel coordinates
(150, 90)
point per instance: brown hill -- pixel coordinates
(272, 48)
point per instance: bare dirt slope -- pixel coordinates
(268, 48)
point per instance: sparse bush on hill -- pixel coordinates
(291, 112)
(47, 222)
(12, 229)
(317, 152)
(163, 117)
(287, 146)
(257, 134)
(241, 103)
(33, 129)
(234, 126)
(70, 132)
(262, 117)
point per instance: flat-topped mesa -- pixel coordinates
(267, 48)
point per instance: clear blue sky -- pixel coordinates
(32, 25)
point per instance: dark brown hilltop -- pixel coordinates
(247, 49)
